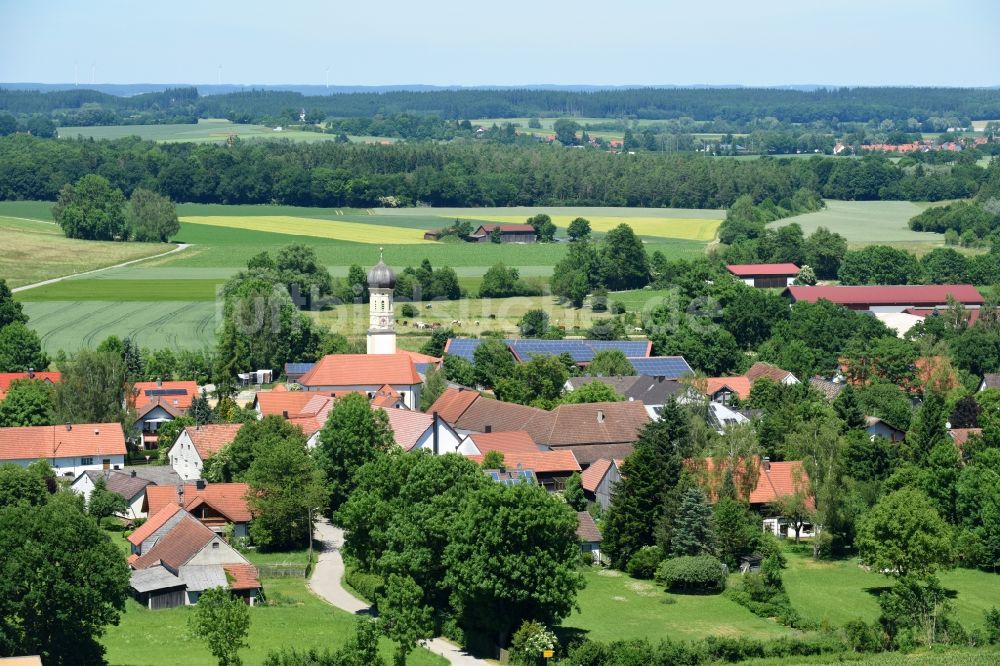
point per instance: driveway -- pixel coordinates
(326, 582)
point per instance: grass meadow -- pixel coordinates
(868, 222)
(299, 619)
(211, 130)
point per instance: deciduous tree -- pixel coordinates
(91, 209)
(223, 622)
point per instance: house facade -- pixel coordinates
(215, 505)
(196, 444)
(366, 373)
(70, 449)
(127, 484)
(158, 402)
(599, 481)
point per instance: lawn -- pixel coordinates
(138, 289)
(34, 251)
(300, 620)
(867, 222)
(840, 591)
(614, 606)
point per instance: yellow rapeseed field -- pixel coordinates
(355, 232)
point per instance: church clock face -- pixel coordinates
(382, 321)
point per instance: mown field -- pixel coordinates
(298, 620)
(214, 130)
(35, 250)
(867, 222)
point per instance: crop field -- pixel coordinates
(867, 222)
(34, 251)
(350, 231)
(215, 130)
(686, 229)
(172, 300)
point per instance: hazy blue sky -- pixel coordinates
(751, 42)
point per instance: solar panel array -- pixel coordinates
(298, 368)
(167, 391)
(671, 367)
(582, 351)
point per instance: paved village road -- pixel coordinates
(326, 582)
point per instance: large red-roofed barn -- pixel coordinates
(890, 298)
(765, 275)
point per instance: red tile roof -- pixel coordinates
(451, 404)
(362, 370)
(752, 270)
(914, 295)
(155, 522)
(774, 480)
(417, 357)
(407, 426)
(229, 499)
(586, 528)
(386, 397)
(591, 477)
(81, 439)
(961, 435)
(518, 448)
(181, 401)
(7, 377)
(506, 228)
(761, 369)
(739, 385)
(242, 576)
(208, 439)
(270, 403)
(178, 546)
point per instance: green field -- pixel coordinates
(34, 251)
(867, 222)
(300, 620)
(841, 591)
(212, 130)
(614, 606)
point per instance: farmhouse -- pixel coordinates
(590, 430)
(599, 481)
(765, 275)
(895, 298)
(196, 443)
(653, 392)
(70, 449)
(551, 467)
(367, 373)
(509, 233)
(214, 504)
(129, 485)
(186, 559)
(6, 378)
(157, 402)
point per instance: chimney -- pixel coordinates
(180, 495)
(200, 484)
(69, 426)
(31, 373)
(767, 463)
(96, 431)
(133, 474)
(600, 416)
(284, 414)
(434, 426)
(159, 382)
(488, 428)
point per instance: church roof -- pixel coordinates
(381, 276)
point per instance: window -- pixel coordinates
(215, 545)
(86, 461)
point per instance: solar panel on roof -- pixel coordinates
(298, 368)
(581, 351)
(671, 367)
(167, 391)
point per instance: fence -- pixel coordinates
(282, 570)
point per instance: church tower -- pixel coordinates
(381, 325)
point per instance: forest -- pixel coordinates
(732, 104)
(363, 175)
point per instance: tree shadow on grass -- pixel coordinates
(878, 591)
(570, 637)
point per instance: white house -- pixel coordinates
(366, 373)
(127, 484)
(428, 432)
(70, 449)
(196, 443)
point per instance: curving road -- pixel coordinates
(180, 246)
(326, 582)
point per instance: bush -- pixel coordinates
(863, 637)
(692, 574)
(409, 311)
(529, 642)
(992, 617)
(370, 586)
(645, 562)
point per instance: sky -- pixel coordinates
(512, 42)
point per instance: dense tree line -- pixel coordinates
(329, 174)
(738, 104)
